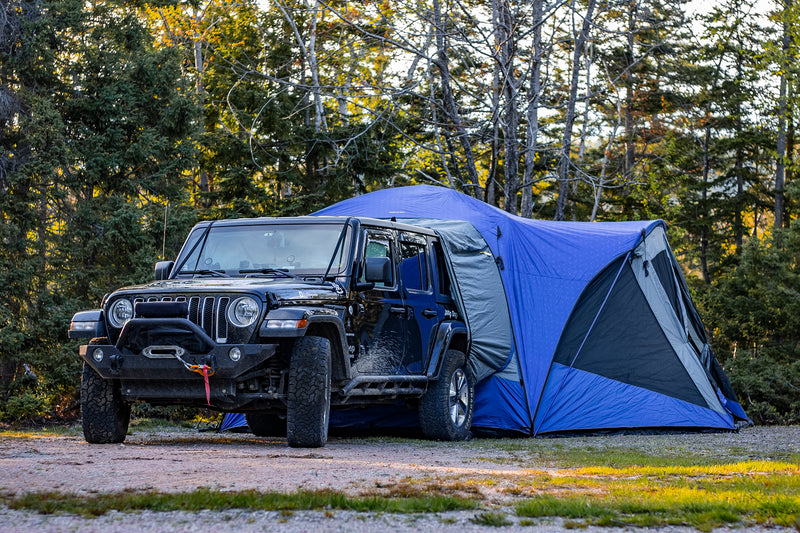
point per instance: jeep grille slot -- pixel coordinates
(222, 322)
(208, 316)
(194, 304)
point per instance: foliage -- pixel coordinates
(753, 312)
(118, 116)
(99, 132)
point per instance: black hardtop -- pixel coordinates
(363, 221)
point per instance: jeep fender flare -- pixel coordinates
(450, 335)
(321, 322)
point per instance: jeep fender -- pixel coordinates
(87, 325)
(321, 322)
(451, 334)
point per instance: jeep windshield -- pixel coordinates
(269, 250)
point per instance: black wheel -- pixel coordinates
(105, 416)
(266, 424)
(308, 401)
(446, 409)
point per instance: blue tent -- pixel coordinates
(605, 335)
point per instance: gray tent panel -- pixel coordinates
(676, 332)
(479, 288)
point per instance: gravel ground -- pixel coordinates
(182, 460)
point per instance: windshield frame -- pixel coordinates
(198, 238)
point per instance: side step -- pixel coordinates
(386, 386)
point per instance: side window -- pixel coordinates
(377, 245)
(413, 266)
(443, 277)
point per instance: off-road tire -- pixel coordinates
(266, 424)
(446, 408)
(308, 399)
(104, 414)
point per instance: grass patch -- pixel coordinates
(40, 433)
(214, 500)
(703, 497)
(491, 519)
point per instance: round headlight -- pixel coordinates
(120, 312)
(243, 312)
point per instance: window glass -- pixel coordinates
(377, 245)
(297, 248)
(412, 266)
(441, 269)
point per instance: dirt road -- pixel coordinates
(180, 460)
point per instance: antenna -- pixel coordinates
(164, 238)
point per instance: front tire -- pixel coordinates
(308, 400)
(446, 409)
(104, 414)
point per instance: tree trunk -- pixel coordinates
(780, 163)
(704, 228)
(534, 90)
(506, 23)
(490, 194)
(569, 120)
(442, 64)
(199, 66)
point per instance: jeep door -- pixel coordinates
(378, 319)
(421, 310)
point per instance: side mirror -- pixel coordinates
(378, 270)
(163, 269)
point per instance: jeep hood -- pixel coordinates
(279, 287)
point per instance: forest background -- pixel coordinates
(122, 123)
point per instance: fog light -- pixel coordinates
(98, 355)
(235, 354)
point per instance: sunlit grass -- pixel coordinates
(41, 433)
(206, 499)
(704, 497)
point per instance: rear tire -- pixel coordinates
(104, 414)
(266, 424)
(308, 401)
(446, 409)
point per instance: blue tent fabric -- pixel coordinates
(545, 267)
(590, 401)
(233, 421)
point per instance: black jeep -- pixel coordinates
(284, 318)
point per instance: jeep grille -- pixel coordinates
(208, 312)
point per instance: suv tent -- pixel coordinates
(604, 333)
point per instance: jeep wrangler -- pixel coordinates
(284, 319)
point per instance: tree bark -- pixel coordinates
(704, 228)
(506, 24)
(534, 96)
(569, 120)
(442, 64)
(780, 163)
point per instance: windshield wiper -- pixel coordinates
(207, 272)
(277, 271)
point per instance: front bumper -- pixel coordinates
(118, 365)
(150, 359)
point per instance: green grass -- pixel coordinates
(703, 497)
(492, 519)
(205, 499)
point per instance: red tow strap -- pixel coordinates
(204, 371)
(208, 387)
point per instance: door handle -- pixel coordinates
(395, 310)
(430, 313)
